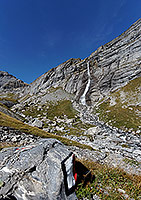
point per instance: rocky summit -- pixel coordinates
(9, 82)
(91, 105)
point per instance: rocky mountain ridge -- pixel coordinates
(10, 82)
(91, 81)
(111, 66)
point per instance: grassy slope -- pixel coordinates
(105, 179)
(60, 108)
(8, 121)
(122, 108)
(8, 99)
(9, 96)
(107, 182)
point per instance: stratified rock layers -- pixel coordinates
(34, 172)
(9, 82)
(111, 66)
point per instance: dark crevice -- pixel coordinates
(9, 197)
(32, 169)
(46, 149)
(53, 145)
(110, 81)
(45, 153)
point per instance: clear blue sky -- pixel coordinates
(36, 35)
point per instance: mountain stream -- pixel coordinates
(83, 97)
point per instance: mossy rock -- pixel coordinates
(1, 183)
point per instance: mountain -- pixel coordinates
(92, 105)
(111, 66)
(10, 82)
(89, 83)
(10, 88)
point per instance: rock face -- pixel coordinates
(110, 67)
(34, 172)
(9, 82)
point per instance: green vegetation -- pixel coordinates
(121, 109)
(53, 89)
(22, 99)
(4, 106)
(133, 85)
(1, 183)
(8, 121)
(131, 161)
(107, 182)
(8, 99)
(78, 129)
(60, 108)
(9, 95)
(52, 109)
(118, 116)
(32, 111)
(6, 145)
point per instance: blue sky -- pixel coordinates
(36, 35)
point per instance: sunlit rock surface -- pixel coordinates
(34, 172)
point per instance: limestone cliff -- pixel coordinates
(111, 66)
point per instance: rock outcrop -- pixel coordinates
(34, 172)
(9, 82)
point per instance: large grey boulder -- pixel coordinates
(36, 123)
(34, 172)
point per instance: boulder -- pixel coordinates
(37, 123)
(34, 172)
(92, 131)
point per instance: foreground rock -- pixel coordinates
(34, 172)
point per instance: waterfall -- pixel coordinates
(83, 97)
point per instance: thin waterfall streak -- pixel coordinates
(83, 97)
